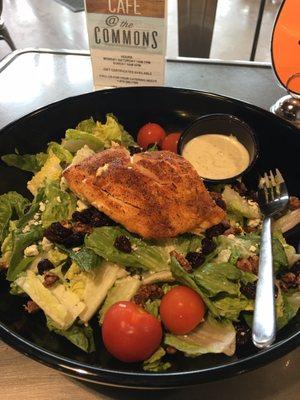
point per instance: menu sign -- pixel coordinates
(127, 41)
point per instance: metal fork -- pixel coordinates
(273, 197)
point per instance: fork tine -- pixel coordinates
(276, 186)
(272, 179)
(279, 177)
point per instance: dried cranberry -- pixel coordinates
(50, 279)
(93, 217)
(57, 233)
(134, 150)
(216, 230)
(296, 268)
(146, 292)
(195, 258)
(74, 240)
(122, 243)
(208, 245)
(243, 333)
(249, 290)
(44, 265)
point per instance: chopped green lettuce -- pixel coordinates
(51, 171)
(85, 258)
(10, 203)
(290, 307)
(56, 257)
(143, 255)
(63, 154)
(20, 241)
(238, 205)
(75, 140)
(152, 307)
(80, 335)
(82, 154)
(123, 290)
(59, 205)
(155, 363)
(92, 287)
(211, 336)
(26, 162)
(59, 303)
(86, 125)
(280, 261)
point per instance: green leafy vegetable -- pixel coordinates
(212, 336)
(290, 307)
(123, 290)
(75, 140)
(238, 205)
(152, 307)
(144, 254)
(280, 260)
(154, 363)
(9, 203)
(87, 125)
(85, 258)
(63, 154)
(21, 240)
(26, 162)
(60, 204)
(81, 336)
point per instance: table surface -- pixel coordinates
(35, 78)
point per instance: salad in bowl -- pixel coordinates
(127, 233)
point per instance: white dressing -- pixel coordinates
(216, 156)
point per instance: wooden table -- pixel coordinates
(25, 78)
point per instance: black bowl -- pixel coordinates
(223, 124)
(175, 109)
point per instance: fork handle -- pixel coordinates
(264, 324)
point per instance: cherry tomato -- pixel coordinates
(170, 142)
(181, 310)
(130, 333)
(149, 134)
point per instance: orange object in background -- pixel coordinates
(286, 45)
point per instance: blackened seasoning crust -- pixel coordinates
(182, 261)
(195, 258)
(148, 292)
(44, 265)
(122, 243)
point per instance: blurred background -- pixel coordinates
(216, 29)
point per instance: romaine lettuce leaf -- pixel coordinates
(20, 241)
(51, 171)
(60, 204)
(238, 205)
(10, 203)
(86, 125)
(81, 336)
(27, 162)
(290, 307)
(60, 304)
(143, 255)
(155, 363)
(85, 258)
(211, 336)
(63, 154)
(75, 140)
(123, 290)
(280, 261)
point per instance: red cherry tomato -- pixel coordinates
(170, 142)
(181, 310)
(149, 134)
(130, 333)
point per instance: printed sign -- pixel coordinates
(127, 41)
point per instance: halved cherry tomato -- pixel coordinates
(149, 134)
(181, 310)
(170, 142)
(130, 333)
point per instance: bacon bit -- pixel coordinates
(50, 279)
(182, 261)
(249, 264)
(31, 307)
(294, 203)
(146, 292)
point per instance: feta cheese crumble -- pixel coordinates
(31, 251)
